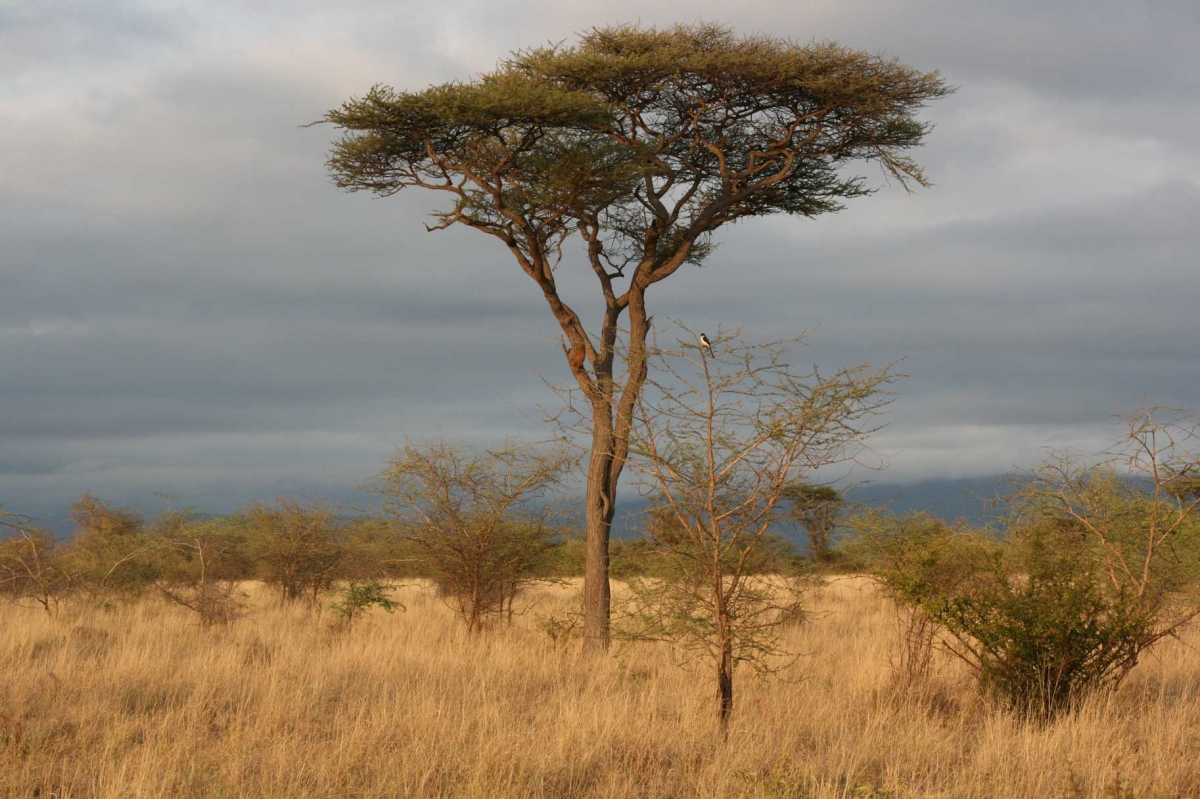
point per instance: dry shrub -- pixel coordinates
(917, 634)
(297, 547)
(561, 628)
(480, 522)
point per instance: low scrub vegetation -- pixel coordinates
(1097, 565)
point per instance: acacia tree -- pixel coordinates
(480, 523)
(718, 439)
(643, 142)
(33, 568)
(816, 508)
(201, 562)
(298, 547)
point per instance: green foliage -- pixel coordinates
(817, 508)
(356, 598)
(478, 522)
(1040, 626)
(1034, 614)
(297, 547)
(747, 125)
(1146, 541)
(916, 557)
(111, 552)
(200, 563)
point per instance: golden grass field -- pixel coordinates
(141, 702)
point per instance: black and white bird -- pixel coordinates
(705, 344)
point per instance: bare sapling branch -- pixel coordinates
(720, 434)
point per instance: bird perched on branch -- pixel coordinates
(705, 344)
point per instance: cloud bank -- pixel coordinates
(190, 306)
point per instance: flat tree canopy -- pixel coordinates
(643, 142)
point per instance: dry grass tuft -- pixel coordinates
(141, 701)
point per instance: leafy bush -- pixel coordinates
(356, 598)
(111, 553)
(1033, 614)
(298, 548)
(1101, 561)
(1039, 626)
(479, 523)
(200, 564)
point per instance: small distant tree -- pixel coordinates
(201, 563)
(297, 547)
(719, 436)
(481, 523)
(816, 508)
(33, 568)
(111, 550)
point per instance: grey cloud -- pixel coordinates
(189, 305)
(52, 34)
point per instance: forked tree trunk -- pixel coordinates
(612, 420)
(599, 508)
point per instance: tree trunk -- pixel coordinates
(612, 415)
(599, 508)
(818, 538)
(725, 687)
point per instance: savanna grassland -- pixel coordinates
(138, 700)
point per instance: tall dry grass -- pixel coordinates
(141, 702)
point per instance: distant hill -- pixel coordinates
(946, 498)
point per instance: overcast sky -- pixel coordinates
(188, 305)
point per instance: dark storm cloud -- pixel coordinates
(189, 306)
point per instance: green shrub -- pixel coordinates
(111, 554)
(1040, 627)
(356, 598)
(1035, 614)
